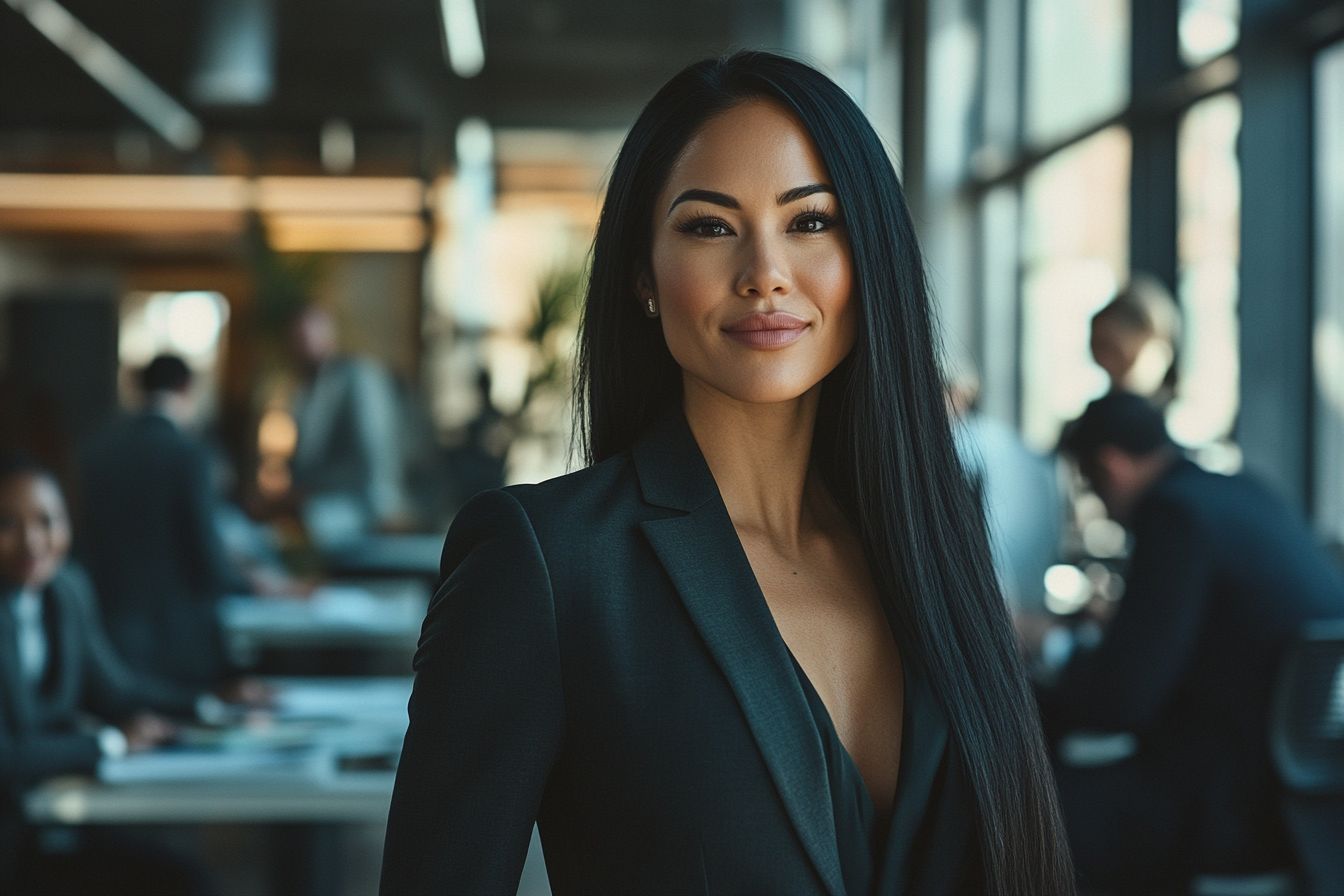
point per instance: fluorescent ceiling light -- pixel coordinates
(113, 71)
(462, 37)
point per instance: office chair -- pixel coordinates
(1307, 739)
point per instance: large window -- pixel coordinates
(1075, 254)
(1209, 191)
(1077, 65)
(1055, 146)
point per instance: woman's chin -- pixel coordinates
(758, 390)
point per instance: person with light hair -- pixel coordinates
(1136, 339)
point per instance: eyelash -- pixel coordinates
(694, 225)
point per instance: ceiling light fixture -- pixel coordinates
(462, 39)
(113, 71)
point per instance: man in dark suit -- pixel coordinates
(150, 539)
(56, 667)
(1222, 576)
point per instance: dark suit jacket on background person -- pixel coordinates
(151, 545)
(1223, 575)
(40, 731)
(600, 659)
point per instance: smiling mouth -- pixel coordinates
(773, 329)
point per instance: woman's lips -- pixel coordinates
(772, 329)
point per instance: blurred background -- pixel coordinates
(363, 227)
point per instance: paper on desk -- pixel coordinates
(203, 764)
(330, 606)
(356, 700)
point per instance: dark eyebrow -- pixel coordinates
(710, 196)
(799, 192)
(723, 199)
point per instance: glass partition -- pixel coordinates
(1208, 28)
(1328, 338)
(1208, 246)
(1077, 65)
(1075, 253)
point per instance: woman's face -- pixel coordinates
(752, 275)
(34, 531)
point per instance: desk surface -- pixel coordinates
(378, 614)
(323, 721)
(389, 555)
(351, 797)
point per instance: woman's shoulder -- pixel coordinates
(559, 527)
(579, 490)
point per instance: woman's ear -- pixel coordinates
(647, 298)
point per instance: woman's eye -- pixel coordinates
(710, 228)
(813, 223)
(706, 227)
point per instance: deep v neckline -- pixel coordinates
(876, 854)
(859, 832)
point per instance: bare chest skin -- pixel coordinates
(827, 610)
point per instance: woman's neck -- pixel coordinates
(760, 456)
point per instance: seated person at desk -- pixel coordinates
(1223, 575)
(151, 542)
(56, 665)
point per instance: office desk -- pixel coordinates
(376, 614)
(384, 555)
(361, 710)
(328, 720)
(354, 797)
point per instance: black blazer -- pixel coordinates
(152, 548)
(600, 658)
(1223, 575)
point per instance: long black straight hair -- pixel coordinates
(883, 440)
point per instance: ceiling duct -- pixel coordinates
(237, 58)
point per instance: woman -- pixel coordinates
(57, 672)
(757, 646)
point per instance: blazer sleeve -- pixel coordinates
(486, 712)
(29, 756)
(1124, 684)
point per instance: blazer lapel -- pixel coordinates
(704, 558)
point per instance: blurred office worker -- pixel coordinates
(151, 540)
(1017, 488)
(1223, 575)
(57, 665)
(348, 463)
(1135, 339)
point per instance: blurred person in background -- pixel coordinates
(348, 466)
(56, 666)
(1135, 339)
(478, 464)
(1223, 575)
(1017, 487)
(151, 541)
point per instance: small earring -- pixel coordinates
(653, 308)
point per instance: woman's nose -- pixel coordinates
(35, 540)
(765, 268)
